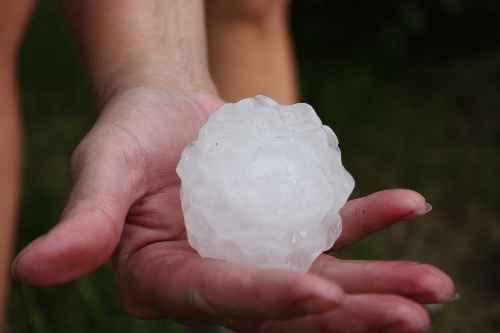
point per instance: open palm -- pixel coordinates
(125, 203)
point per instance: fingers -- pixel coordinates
(364, 216)
(160, 282)
(420, 282)
(358, 314)
(89, 229)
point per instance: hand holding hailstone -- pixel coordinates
(263, 185)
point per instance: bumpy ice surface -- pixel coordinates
(263, 185)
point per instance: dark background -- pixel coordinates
(412, 90)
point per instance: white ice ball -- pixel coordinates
(263, 185)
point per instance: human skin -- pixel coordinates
(13, 18)
(147, 67)
(250, 49)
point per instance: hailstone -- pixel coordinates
(263, 185)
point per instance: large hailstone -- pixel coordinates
(263, 185)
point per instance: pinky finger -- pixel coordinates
(360, 314)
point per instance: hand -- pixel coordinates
(125, 200)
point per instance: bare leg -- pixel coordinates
(250, 49)
(13, 19)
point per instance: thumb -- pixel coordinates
(89, 229)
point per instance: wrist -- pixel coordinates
(172, 77)
(125, 44)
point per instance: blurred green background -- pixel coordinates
(412, 89)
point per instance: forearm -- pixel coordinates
(13, 18)
(10, 152)
(126, 43)
(250, 49)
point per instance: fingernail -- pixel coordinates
(454, 298)
(21, 254)
(446, 298)
(13, 272)
(428, 207)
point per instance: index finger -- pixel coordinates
(364, 216)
